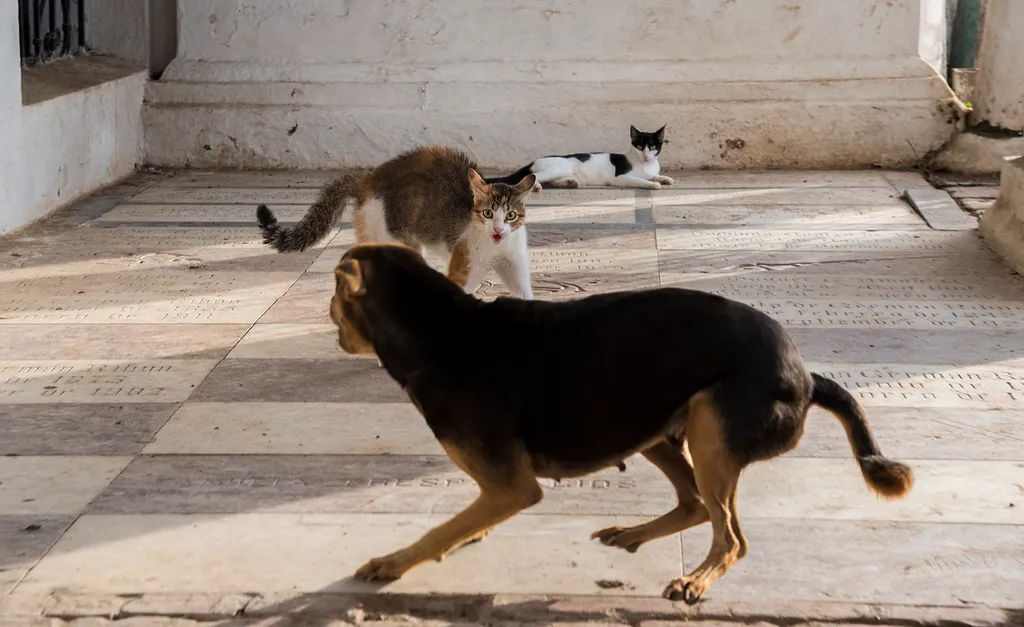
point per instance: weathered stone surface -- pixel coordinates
(87, 429)
(302, 380)
(54, 485)
(872, 344)
(873, 195)
(584, 196)
(117, 341)
(307, 301)
(827, 217)
(996, 385)
(290, 341)
(214, 179)
(847, 241)
(909, 563)
(166, 296)
(198, 213)
(296, 429)
(892, 314)
(983, 492)
(983, 264)
(939, 209)
(101, 381)
(726, 179)
(129, 554)
(23, 540)
(226, 195)
(605, 213)
(777, 285)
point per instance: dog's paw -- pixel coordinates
(380, 569)
(664, 180)
(685, 590)
(618, 537)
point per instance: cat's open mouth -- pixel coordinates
(496, 238)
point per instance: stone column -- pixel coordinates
(999, 93)
(1003, 224)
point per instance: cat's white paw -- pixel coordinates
(664, 180)
(653, 185)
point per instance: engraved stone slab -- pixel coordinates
(101, 381)
(298, 178)
(920, 346)
(296, 429)
(818, 196)
(198, 213)
(792, 217)
(566, 285)
(557, 237)
(307, 301)
(894, 242)
(117, 341)
(992, 386)
(584, 196)
(763, 179)
(890, 314)
(300, 380)
(290, 341)
(312, 553)
(23, 540)
(922, 433)
(945, 491)
(54, 485)
(581, 260)
(227, 196)
(760, 284)
(97, 429)
(581, 214)
(163, 296)
(909, 563)
(981, 264)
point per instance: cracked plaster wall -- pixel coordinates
(324, 83)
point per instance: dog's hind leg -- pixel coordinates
(505, 491)
(717, 475)
(690, 512)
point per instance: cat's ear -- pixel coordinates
(480, 187)
(633, 133)
(660, 133)
(526, 184)
(351, 273)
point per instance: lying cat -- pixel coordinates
(638, 168)
(427, 198)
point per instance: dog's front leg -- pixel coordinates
(504, 492)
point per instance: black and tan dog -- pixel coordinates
(587, 384)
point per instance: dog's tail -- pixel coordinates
(888, 478)
(317, 221)
(513, 178)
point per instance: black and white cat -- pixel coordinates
(638, 168)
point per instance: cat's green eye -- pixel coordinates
(511, 216)
(488, 214)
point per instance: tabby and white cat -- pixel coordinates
(430, 198)
(637, 168)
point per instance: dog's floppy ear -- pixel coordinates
(351, 272)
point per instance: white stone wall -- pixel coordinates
(59, 149)
(323, 83)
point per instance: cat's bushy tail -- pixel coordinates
(315, 224)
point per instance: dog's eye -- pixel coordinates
(511, 216)
(488, 214)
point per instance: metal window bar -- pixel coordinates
(42, 41)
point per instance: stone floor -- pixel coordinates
(181, 435)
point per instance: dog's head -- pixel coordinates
(365, 274)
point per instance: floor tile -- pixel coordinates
(290, 341)
(101, 381)
(117, 341)
(54, 485)
(300, 380)
(86, 429)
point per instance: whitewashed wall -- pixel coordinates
(323, 83)
(59, 149)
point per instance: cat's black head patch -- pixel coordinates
(651, 141)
